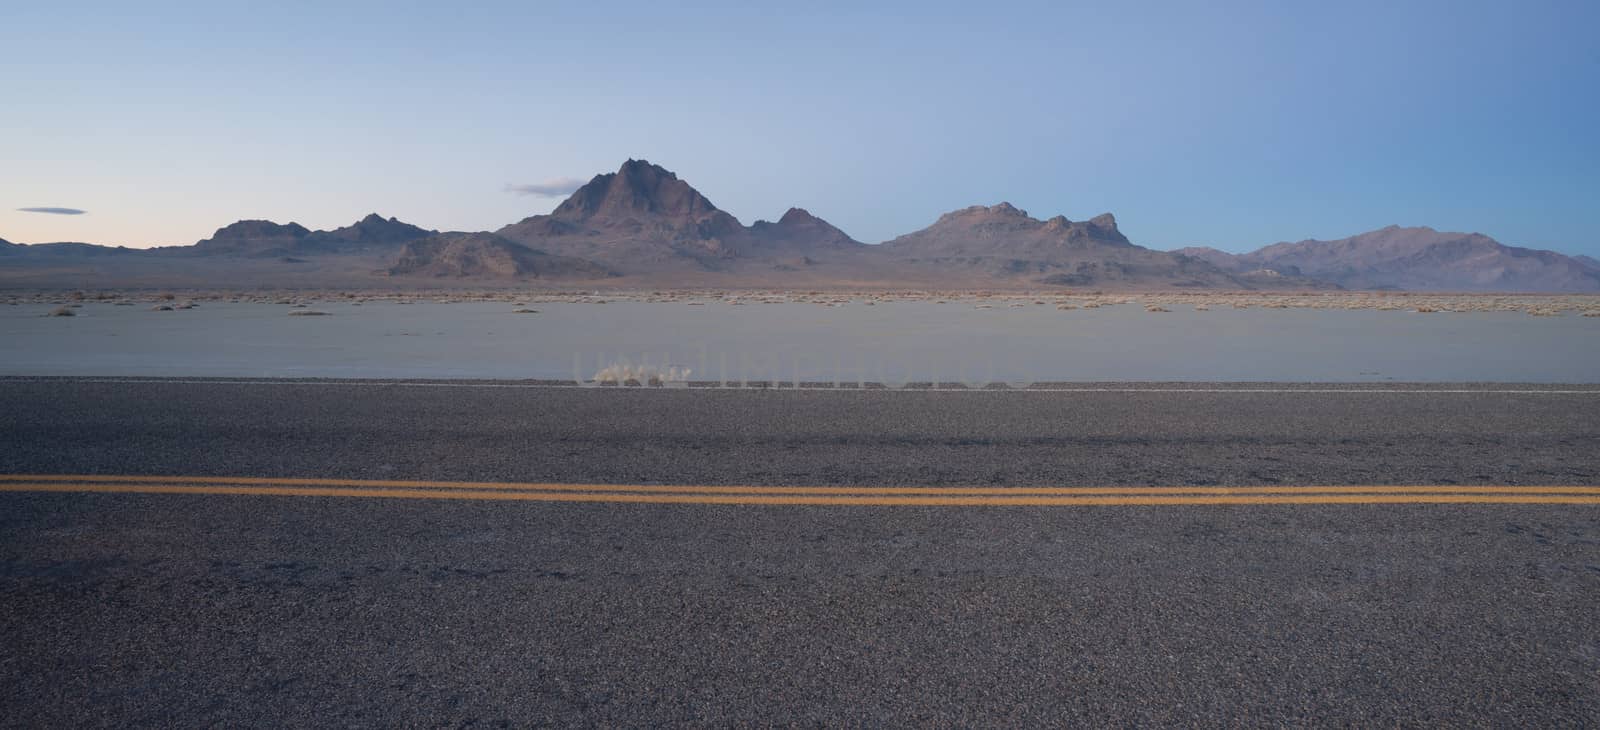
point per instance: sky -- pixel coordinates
(1225, 123)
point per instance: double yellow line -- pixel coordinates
(836, 496)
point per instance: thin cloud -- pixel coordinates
(54, 211)
(548, 188)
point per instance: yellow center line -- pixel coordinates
(369, 484)
(860, 497)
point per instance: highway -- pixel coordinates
(369, 553)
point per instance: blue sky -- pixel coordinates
(1233, 124)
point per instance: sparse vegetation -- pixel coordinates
(1173, 300)
(624, 373)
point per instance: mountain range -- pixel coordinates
(644, 226)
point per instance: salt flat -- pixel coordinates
(848, 339)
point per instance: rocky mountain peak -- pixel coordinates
(798, 217)
(637, 189)
(979, 213)
(1104, 221)
(632, 167)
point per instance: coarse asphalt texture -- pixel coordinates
(204, 609)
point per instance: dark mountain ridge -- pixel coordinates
(486, 255)
(62, 249)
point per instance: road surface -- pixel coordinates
(368, 554)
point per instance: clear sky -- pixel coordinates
(1233, 124)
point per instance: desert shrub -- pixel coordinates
(624, 373)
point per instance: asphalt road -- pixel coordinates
(240, 609)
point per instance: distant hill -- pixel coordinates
(1004, 229)
(262, 238)
(1216, 257)
(799, 232)
(66, 249)
(1417, 259)
(487, 256)
(1004, 241)
(373, 230)
(251, 238)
